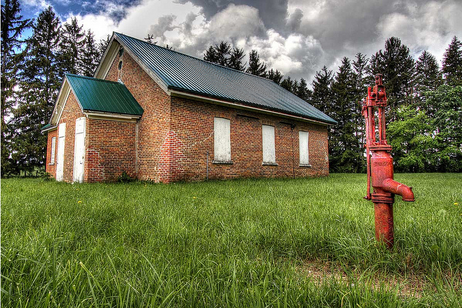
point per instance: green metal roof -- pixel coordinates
(188, 74)
(103, 95)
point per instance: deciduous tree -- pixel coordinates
(447, 123)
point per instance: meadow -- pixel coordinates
(240, 243)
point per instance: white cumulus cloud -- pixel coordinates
(314, 33)
(100, 25)
(428, 27)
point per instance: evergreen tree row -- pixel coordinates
(424, 112)
(32, 72)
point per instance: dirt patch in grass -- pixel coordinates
(409, 285)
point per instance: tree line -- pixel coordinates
(423, 117)
(424, 113)
(32, 71)
(226, 55)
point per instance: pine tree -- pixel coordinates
(275, 76)
(361, 81)
(452, 63)
(344, 150)
(361, 77)
(288, 84)
(256, 67)
(427, 75)
(321, 98)
(302, 90)
(150, 39)
(235, 59)
(211, 55)
(104, 43)
(12, 27)
(90, 55)
(397, 67)
(322, 93)
(40, 83)
(223, 53)
(427, 78)
(71, 46)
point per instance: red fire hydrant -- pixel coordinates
(380, 165)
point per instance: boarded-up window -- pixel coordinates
(222, 140)
(53, 150)
(269, 151)
(304, 151)
(60, 158)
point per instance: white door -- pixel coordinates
(60, 161)
(79, 150)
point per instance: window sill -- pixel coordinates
(51, 164)
(306, 166)
(269, 164)
(222, 162)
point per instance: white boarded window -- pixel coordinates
(53, 150)
(304, 152)
(222, 140)
(269, 151)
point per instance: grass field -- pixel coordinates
(242, 243)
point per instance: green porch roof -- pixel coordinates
(103, 96)
(188, 74)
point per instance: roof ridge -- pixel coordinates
(183, 54)
(92, 78)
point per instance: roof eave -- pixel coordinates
(47, 129)
(102, 115)
(175, 92)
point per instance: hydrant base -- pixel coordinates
(384, 223)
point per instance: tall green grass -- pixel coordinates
(242, 243)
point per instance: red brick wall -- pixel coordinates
(50, 166)
(191, 136)
(70, 113)
(175, 134)
(110, 150)
(153, 127)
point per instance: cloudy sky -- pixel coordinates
(297, 37)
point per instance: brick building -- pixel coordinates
(160, 115)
